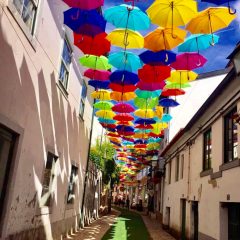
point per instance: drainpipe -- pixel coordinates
(189, 144)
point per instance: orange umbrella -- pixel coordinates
(118, 96)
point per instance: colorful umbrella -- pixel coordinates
(143, 103)
(159, 112)
(105, 114)
(123, 128)
(123, 108)
(118, 96)
(123, 117)
(170, 85)
(122, 88)
(103, 95)
(108, 125)
(126, 123)
(168, 102)
(126, 38)
(125, 16)
(172, 92)
(147, 113)
(104, 105)
(97, 74)
(221, 2)
(99, 84)
(189, 61)
(125, 61)
(197, 42)
(166, 118)
(109, 121)
(143, 126)
(154, 74)
(88, 5)
(147, 94)
(158, 58)
(150, 86)
(124, 77)
(87, 22)
(94, 62)
(97, 45)
(162, 39)
(182, 76)
(210, 20)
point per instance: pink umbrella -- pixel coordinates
(150, 86)
(189, 61)
(97, 74)
(123, 108)
(84, 4)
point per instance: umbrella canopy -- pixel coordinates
(169, 13)
(123, 117)
(189, 61)
(119, 97)
(87, 22)
(182, 76)
(158, 127)
(109, 121)
(104, 105)
(145, 121)
(103, 95)
(97, 74)
(147, 94)
(150, 86)
(154, 74)
(108, 125)
(158, 58)
(170, 85)
(168, 102)
(125, 61)
(125, 16)
(147, 113)
(162, 39)
(143, 126)
(159, 112)
(221, 2)
(105, 114)
(123, 108)
(122, 88)
(210, 20)
(166, 118)
(88, 5)
(144, 103)
(172, 92)
(197, 42)
(126, 123)
(95, 62)
(123, 128)
(99, 84)
(126, 38)
(124, 77)
(97, 45)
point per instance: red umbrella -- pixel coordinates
(142, 126)
(122, 88)
(97, 45)
(128, 139)
(123, 108)
(125, 133)
(84, 4)
(112, 135)
(154, 74)
(140, 146)
(97, 74)
(172, 92)
(189, 61)
(106, 125)
(156, 135)
(123, 117)
(150, 86)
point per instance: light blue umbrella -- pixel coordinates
(197, 42)
(126, 16)
(148, 94)
(124, 60)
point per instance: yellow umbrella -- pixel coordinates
(182, 76)
(169, 13)
(126, 38)
(210, 20)
(144, 113)
(119, 97)
(114, 139)
(159, 111)
(158, 127)
(107, 114)
(162, 39)
(102, 95)
(153, 145)
(140, 135)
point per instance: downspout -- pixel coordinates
(189, 144)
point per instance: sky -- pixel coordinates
(216, 55)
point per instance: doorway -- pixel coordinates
(183, 219)
(195, 218)
(233, 221)
(168, 217)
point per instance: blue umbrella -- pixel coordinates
(168, 102)
(124, 128)
(197, 42)
(140, 141)
(165, 118)
(117, 144)
(107, 121)
(145, 121)
(163, 57)
(125, 77)
(88, 22)
(221, 2)
(99, 84)
(125, 61)
(111, 129)
(125, 16)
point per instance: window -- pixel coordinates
(169, 172)
(182, 166)
(72, 185)
(27, 10)
(65, 64)
(230, 137)
(177, 169)
(48, 180)
(207, 150)
(83, 98)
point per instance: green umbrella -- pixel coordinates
(95, 62)
(103, 105)
(144, 103)
(170, 85)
